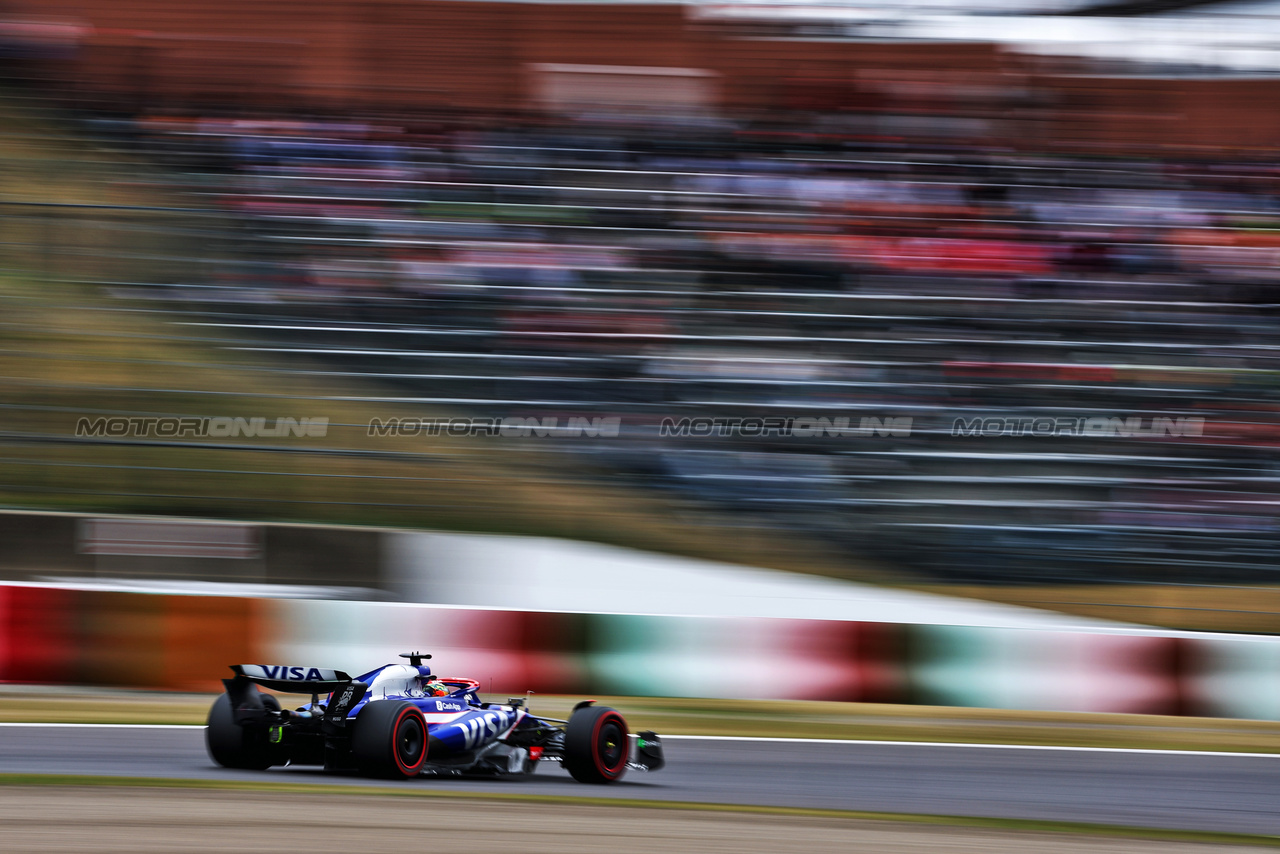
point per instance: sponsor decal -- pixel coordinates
(481, 728)
(288, 673)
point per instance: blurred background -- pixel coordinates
(909, 216)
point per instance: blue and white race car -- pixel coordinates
(400, 720)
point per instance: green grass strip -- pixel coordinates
(980, 822)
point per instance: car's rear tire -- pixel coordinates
(389, 739)
(234, 746)
(596, 745)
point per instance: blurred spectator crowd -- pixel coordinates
(676, 268)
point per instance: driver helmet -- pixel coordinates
(433, 687)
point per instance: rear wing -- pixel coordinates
(291, 679)
(249, 709)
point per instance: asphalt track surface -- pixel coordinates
(1192, 791)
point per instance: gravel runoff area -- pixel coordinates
(49, 819)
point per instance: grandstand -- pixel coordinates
(860, 240)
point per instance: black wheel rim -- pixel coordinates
(409, 742)
(612, 745)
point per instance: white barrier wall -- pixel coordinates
(540, 573)
(575, 618)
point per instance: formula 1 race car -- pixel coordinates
(400, 721)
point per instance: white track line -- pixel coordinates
(780, 740)
(978, 746)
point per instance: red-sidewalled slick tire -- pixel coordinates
(596, 745)
(389, 740)
(234, 746)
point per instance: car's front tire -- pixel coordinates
(596, 745)
(389, 739)
(234, 746)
